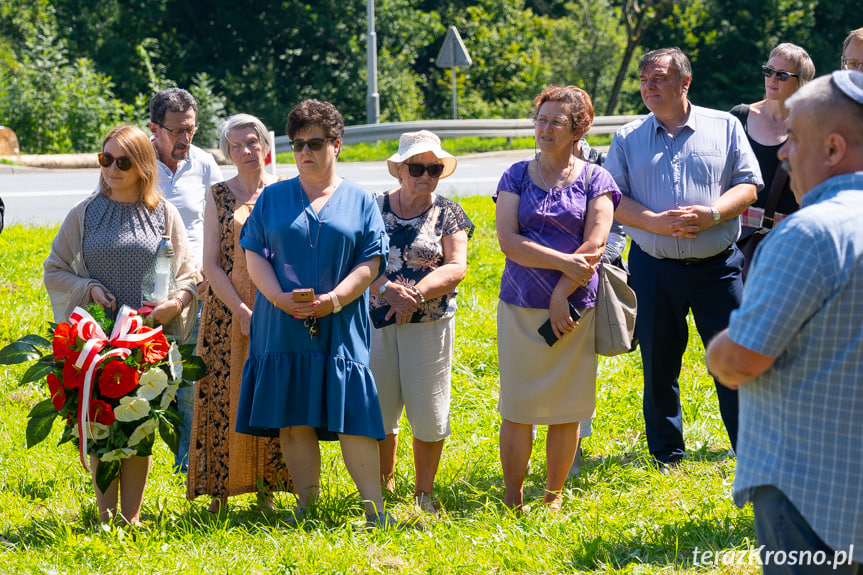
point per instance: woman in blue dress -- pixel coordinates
(307, 376)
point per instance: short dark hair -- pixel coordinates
(171, 100)
(679, 61)
(310, 113)
(578, 104)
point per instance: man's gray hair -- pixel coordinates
(679, 61)
(238, 122)
(171, 100)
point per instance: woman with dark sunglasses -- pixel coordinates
(413, 307)
(788, 67)
(553, 216)
(104, 249)
(313, 245)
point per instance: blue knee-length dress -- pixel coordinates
(290, 378)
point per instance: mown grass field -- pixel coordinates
(619, 516)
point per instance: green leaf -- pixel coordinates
(36, 372)
(36, 340)
(39, 423)
(187, 349)
(194, 368)
(18, 352)
(106, 472)
(169, 429)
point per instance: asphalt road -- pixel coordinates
(42, 196)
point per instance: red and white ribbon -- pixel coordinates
(123, 337)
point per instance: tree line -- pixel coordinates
(69, 69)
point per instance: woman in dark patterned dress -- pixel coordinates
(413, 307)
(222, 462)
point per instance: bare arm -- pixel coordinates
(219, 280)
(732, 364)
(597, 224)
(528, 253)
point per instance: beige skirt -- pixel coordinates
(541, 384)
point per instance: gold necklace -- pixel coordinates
(562, 176)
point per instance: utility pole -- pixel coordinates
(373, 105)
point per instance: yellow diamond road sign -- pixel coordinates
(453, 54)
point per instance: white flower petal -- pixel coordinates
(132, 409)
(169, 395)
(117, 454)
(152, 383)
(142, 432)
(175, 361)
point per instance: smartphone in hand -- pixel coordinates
(303, 295)
(546, 331)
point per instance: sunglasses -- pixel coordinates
(106, 159)
(417, 170)
(781, 75)
(315, 144)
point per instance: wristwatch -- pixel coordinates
(337, 307)
(383, 288)
(716, 215)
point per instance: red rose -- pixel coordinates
(155, 349)
(64, 340)
(58, 394)
(101, 412)
(72, 376)
(117, 379)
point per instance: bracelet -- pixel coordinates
(418, 293)
(337, 307)
(180, 305)
(273, 301)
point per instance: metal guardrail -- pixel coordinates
(457, 129)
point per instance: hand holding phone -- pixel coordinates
(303, 295)
(547, 332)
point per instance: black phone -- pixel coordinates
(547, 332)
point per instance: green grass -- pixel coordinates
(619, 516)
(379, 151)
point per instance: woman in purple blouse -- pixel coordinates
(553, 216)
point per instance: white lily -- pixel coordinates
(132, 409)
(98, 431)
(151, 384)
(143, 431)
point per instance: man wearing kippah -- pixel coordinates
(794, 348)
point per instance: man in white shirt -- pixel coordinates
(185, 174)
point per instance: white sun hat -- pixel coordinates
(414, 143)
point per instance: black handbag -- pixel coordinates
(748, 244)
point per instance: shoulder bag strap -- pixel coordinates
(779, 179)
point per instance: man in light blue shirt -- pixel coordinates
(686, 174)
(795, 346)
(186, 172)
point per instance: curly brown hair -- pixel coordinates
(310, 113)
(579, 106)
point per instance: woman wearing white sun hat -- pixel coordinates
(413, 306)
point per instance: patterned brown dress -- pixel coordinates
(222, 462)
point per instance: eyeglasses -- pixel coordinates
(177, 132)
(417, 170)
(781, 75)
(312, 324)
(252, 143)
(848, 64)
(123, 163)
(542, 122)
(315, 144)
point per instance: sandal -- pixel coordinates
(298, 515)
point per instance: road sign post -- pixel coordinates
(452, 55)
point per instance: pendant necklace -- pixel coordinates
(303, 198)
(562, 176)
